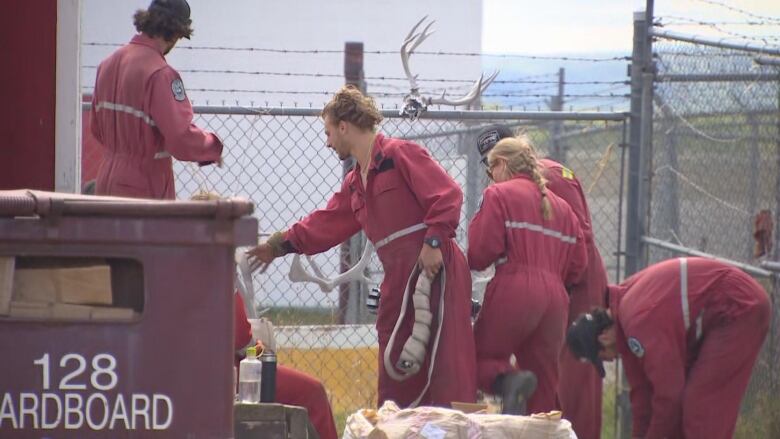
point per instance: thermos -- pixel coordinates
(268, 381)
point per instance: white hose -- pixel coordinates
(410, 360)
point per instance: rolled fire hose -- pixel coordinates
(413, 354)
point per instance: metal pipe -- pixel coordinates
(771, 265)
(430, 114)
(619, 253)
(692, 252)
(633, 206)
(645, 162)
(717, 77)
(767, 60)
(748, 47)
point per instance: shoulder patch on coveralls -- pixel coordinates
(567, 173)
(177, 87)
(636, 347)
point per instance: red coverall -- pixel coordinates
(688, 331)
(579, 385)
(292, 387)
(140, 110)
(525, 306)
(405, 187)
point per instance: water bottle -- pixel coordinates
(268, 391)
(250, 371)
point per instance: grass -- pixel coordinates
(341, 421)
(284, 316)
(608, 411)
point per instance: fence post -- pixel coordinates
(639, 131)
(774, 334)
(755, 168)
(557, 148)
(351, 295)
(639, 136)
(668, 211)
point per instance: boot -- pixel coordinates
(515, 388)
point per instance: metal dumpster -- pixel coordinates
(116, 315)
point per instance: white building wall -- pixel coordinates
(298, 25)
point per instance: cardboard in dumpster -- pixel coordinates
(74, 285)
(6, 283)
(390, 422)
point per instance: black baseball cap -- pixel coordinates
(177, 8)
(488, 138)
(583, 340)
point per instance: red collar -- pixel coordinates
(377, 153)
(145, 40)
(522, 176)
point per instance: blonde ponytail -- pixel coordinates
(521, 158)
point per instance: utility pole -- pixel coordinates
(557, 148)
(351, 296)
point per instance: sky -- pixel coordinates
(577, 26)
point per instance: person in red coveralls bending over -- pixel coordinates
(688, 331)
(409, 208)
(140, 112)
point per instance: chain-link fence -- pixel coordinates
(278, 159)
(714, 170)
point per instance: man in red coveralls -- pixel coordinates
(409, 208)
(688, 331)
(140, 111)
(579, 385)
(292, 387)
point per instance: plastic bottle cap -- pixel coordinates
(251, 352)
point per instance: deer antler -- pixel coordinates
(411, 42)
(414, 103)
(299, 274)
(476, 90)
(244, 283)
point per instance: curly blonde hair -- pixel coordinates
(521, 158)
(350, 105)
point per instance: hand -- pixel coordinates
(259, 347)
(430, 261)
(260, 257)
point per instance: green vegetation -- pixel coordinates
(608, 411)
(285, 316)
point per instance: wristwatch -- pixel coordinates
(433, 241)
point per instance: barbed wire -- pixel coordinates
(520, 80)
(693, 21)
(388, 52)
(762, 38)
(740, 11)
